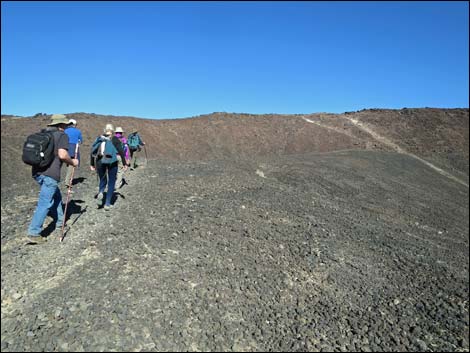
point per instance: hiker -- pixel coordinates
(75, 137)
(103, 159)
(48, 178)
(120, 181)
(134, 141)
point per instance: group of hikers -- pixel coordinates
(110, 156)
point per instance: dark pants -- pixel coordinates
(107, 174)
(134, 157)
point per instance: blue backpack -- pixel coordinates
(134, 141)
(104, 150)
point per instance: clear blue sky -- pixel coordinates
(181, 59)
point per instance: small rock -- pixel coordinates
(422, 345)
(64, 346)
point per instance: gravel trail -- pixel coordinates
(345, 251)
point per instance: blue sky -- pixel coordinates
(182, 59)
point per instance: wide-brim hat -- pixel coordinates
(59, 119)
(119, 129)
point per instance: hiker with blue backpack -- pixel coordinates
(103, 159)
(134, 142)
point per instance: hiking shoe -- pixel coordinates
(36, 239)
(99, 198)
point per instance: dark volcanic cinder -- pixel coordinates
(285, 233)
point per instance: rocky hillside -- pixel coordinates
(438, 135)
(250, 233)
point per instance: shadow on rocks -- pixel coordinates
(72, 208)
(78, 180)
(114, 198)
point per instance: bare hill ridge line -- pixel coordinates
(438, 136)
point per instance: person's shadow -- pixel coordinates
(78, 180)
(73, 207)
(114, 198)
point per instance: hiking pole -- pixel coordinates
(68, 195)
(146, 158)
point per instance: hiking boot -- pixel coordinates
(99, 198)
(36, 239)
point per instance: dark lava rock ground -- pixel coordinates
(341, 251)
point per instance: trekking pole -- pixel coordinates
(146, 158)
(68, 196)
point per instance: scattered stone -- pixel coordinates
(214, 277)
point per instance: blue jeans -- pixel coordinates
(105, 172)
(49, 203)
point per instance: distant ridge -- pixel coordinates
(439, 136)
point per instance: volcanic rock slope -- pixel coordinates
(274, 233)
